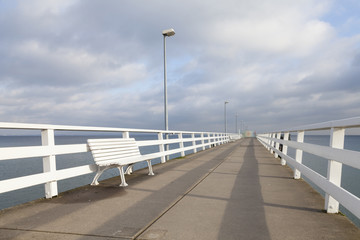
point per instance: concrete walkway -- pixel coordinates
(234, 191)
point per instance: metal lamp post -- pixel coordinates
(225, 115)
(236, 125)
(166, 33)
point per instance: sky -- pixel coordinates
(279, 63)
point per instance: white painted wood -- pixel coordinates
(285, 148)
(49, 162)
(337, 156)
(41, 178)
(161, 147)
(298, 154)
(345, 156)
(277, 145)
(193, 142)
(119, 152)
(126, 134)
(343, 123)
(9, 153)
(181, 144)
(347, 199)
(49, 150)
(337, 138)
(272, 142)
(202, 141)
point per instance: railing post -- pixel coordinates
(161, 147)
(209, 139)
(285, 148)
(49, 162)
(181, 144)
(334, 168)
(194, 142)
(126, 135)
(267, 141)
(272, 135)
(277, 144)
(269, 135)
(202, 141)
(299, 153)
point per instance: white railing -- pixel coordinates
(335, 153)
(49, 150)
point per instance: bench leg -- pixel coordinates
(98, 174)
(150, 167)
(122, 176)
(129, 169)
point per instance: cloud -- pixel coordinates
(101, 63)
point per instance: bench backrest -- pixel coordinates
(114, 150)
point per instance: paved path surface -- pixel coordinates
(234, 191)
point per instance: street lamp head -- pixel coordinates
(168, 33)
(226, 102)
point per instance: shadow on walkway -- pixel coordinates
(244, 216)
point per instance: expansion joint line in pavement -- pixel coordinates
(182, 196)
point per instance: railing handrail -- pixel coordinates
(342, 123)
(49, 150)
(334, 153)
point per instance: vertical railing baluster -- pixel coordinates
(202, 141)
(277, 144)
(337, 138)
(299, 153)
(49, 162)
(194, 142)
(161, 147)
(285, 148)
(272, 143)
(209, 139)
(181, 144)
(125, 134)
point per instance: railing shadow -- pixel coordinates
(99, 211)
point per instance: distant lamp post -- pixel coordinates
(166, 33)
(236, 123)
(226, 102)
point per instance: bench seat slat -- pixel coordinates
(117, 153)
(125, 161)
(110, 140)
(116, 156)
(114, 146)
(97, 143)
(110, 150)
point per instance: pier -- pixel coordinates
(236, 190)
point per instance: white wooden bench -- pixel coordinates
(116, 152)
